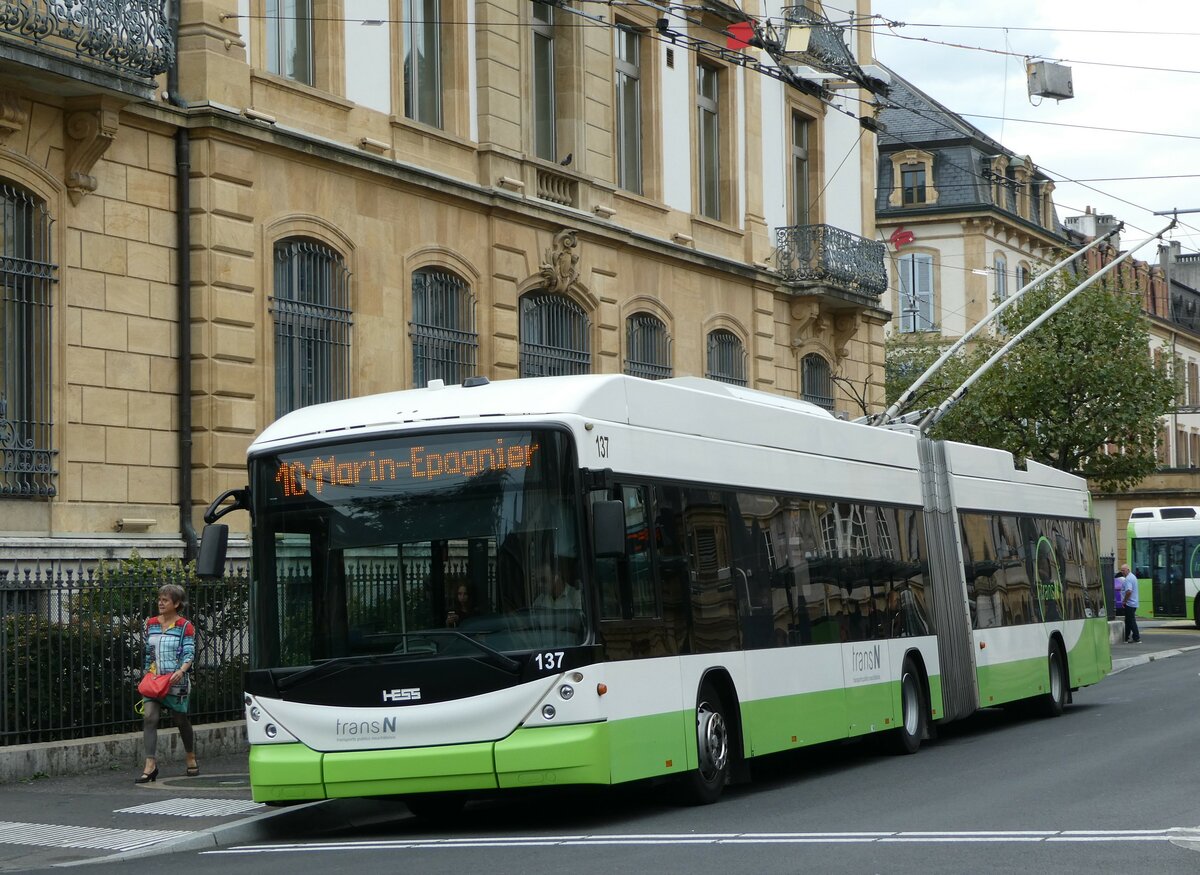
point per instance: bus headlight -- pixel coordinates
(566, 691)
(270, 730)
(255, 714)
(548, 712)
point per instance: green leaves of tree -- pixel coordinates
(1082, 393)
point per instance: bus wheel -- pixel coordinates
(436, 807)
(906, 739)
(1196, 612)
(705, 784)
(1053, 702)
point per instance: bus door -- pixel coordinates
(1166, 573)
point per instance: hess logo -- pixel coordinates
(404, 694)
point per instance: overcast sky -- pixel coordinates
(979, 83)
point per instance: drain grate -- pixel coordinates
(185, 807)
(54, 835)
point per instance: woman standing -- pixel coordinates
(170, 649)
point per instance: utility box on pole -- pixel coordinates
(1049, 80)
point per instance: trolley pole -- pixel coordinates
(942, 409)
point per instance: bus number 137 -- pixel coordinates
(551, 660)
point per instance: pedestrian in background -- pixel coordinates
(1129, 601)
(170, 649)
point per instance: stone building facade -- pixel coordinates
(313, 205)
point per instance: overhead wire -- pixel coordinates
(738, 58)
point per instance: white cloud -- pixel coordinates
(978, 83)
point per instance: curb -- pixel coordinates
(308, 818)
(1119, 665)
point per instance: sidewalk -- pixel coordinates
(1161, 639)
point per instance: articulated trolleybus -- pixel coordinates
(599, 579)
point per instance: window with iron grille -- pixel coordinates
(647, 347)
(27, 278)
(817, 381)
(311, 309)
(726, 358)
(554, 336)
(442, 330)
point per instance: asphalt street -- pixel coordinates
(105, 819)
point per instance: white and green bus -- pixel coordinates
(658, 580)
(1164, 554)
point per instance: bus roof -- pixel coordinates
(1165, 513)
(693, 407)
(603, 397)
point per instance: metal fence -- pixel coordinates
(71, 647)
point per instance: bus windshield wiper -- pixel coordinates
(335, 664)
(505, 662)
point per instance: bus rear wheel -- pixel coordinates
(705, 785)
(906, 738)
(1196, 612)
(1055, 699)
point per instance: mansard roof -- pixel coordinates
(915, 118)
(962, 157)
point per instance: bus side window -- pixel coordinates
(626, 583)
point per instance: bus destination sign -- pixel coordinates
(361, 467)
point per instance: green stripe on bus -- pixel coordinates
(285, 772)
(549, 755)
(412, 770)
(769, 725)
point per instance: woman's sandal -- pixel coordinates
(193, 771)
(147, 777)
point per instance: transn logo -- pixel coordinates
(405, 694)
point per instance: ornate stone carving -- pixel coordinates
(560, 263)
(91, 125)
(13, 116)
(845, 326)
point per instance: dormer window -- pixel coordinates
(912, 183)
(912, 179)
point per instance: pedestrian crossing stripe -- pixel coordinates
(185, 807)
(54, 835)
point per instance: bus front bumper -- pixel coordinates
(545, 756)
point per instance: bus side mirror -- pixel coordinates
(214, 541)
(608, 529)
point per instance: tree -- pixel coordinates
(1083, 382)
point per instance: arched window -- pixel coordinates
(27, 278)
(442, 330)
(1000, 266)
(726, 358)
(916, 292)
(816, 381)
(1023, 275)
(311, 310)
(554, 336)
(647, 347)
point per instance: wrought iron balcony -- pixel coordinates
(825, 259)
(128, 39)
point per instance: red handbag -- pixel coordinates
(154, 686)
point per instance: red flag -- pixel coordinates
(900, 237)
(740, 35)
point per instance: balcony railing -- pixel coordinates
(832, 257)
(128, 37)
